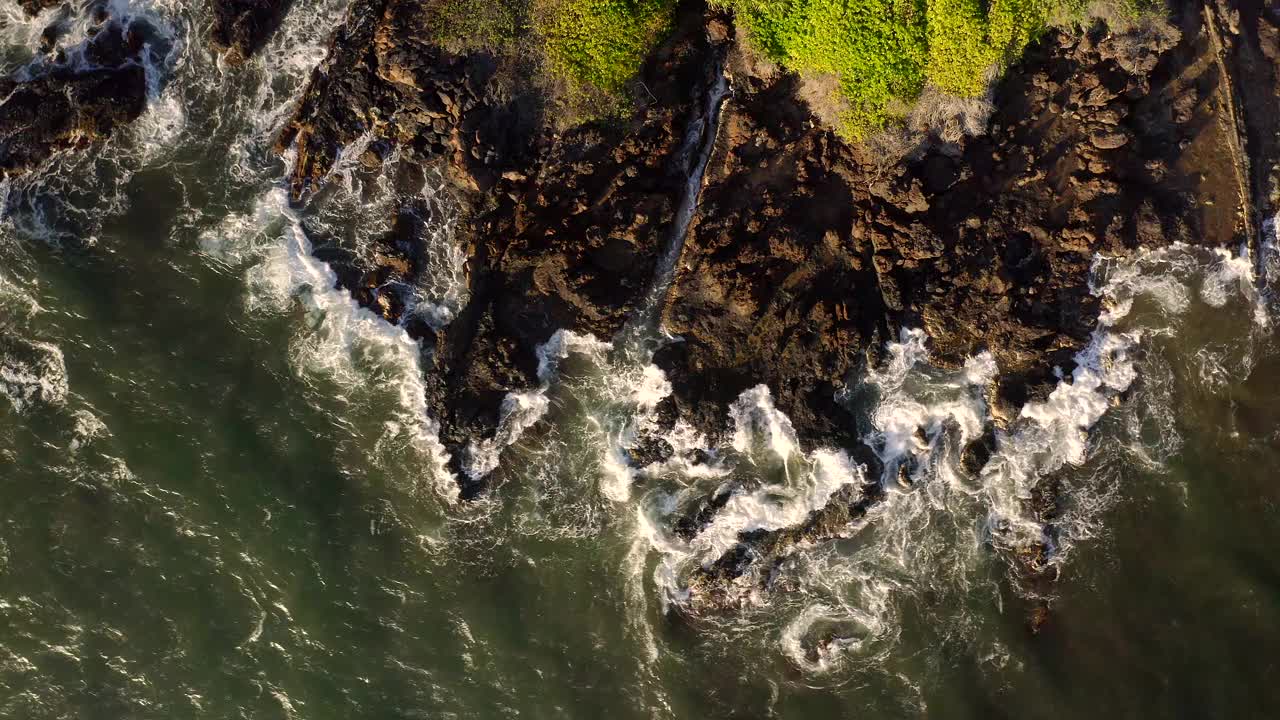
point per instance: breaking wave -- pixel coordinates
(356, 351)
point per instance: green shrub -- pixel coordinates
(877, 48)
(885, 51)
(601, 44)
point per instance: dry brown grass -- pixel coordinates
(950, 118)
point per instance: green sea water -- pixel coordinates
(220, 496)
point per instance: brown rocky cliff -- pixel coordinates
(806, 254)
(564, 228)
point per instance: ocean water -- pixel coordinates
(221, 495)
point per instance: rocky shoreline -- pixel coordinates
(72, 97)
(804, 254)
(241, 27)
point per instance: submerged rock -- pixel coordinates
(242, 27)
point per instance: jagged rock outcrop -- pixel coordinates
(806, 252)
(565, 228)
(242, 27)
(386, 77)
(1242, 40)
(75, 99)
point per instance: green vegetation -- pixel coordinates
(884, 51)
(601, 43)
(594, 47)
(877, 48)
(878, 54)
(469, 24)
(1116, 14)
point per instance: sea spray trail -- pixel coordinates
(699, 144)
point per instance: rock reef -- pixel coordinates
(75, 97)
(808, 254)
(69, 98)
(566, 227)
(797, 255)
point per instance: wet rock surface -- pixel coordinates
(75, 97)
(385, 78)
(33, 7)
(242, 27)
(807, 253)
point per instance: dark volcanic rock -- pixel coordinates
(573, 242)
(385, 77)
(74, 101)
(242, 27)
(774, 288)
(806, 254)
(566, 227)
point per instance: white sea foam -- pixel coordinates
(522, 409)
(32, 374)
(823, 638)
(774, 507)
(341, 341)
(756, 419)
(67, 199)
(519, 412)
(85, 429)
(916, 406)
(360, 209)
(19, 33)
(1054, 433)
(932, 533)
(1269, 253)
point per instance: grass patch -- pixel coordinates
(590, 48)
(601, 44)
(884, 52)
(877, 49)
